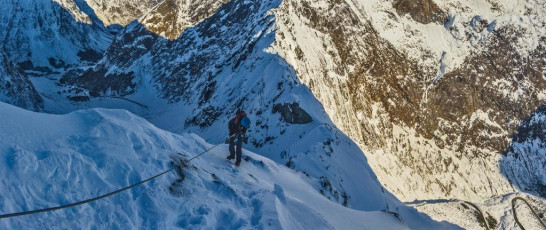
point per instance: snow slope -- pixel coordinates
(50, 160)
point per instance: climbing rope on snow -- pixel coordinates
(116, 97)
(129, 100)
(479, 212)
(108, 194)
(530, 207)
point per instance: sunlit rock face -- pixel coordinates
(431, 92)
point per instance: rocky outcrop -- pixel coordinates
(524, 162)
(17, 89)
(292, 113)
(53, 39)
(120, 12)
(423, 11)
(171, 17)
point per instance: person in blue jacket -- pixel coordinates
(237, 135)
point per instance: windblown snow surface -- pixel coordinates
(52, 160)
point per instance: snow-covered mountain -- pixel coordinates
(17, 89)
(98, 151)
(523, 163)
(44, 37)
(443, 97)
(191, 87)
(208, 73)
(432, 102)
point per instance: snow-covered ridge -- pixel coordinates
(50, 160)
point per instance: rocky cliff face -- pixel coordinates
(523, 163)
(422, 11)
(170, 18)
(434, 126)
(57, 36)
(17, 89)
(120, 12)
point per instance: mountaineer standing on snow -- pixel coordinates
(237, 130)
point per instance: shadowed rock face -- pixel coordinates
(17, 89)
(292, 113)
(524, 162)
(423, 11)
(56, 31)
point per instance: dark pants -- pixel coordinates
(232, 149)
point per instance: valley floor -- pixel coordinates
(497, 211)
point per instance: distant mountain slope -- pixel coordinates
(57, 36)
(120, 12)
(171, 17)
(17, 89)
(51, 160)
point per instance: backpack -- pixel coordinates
(245, 122)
